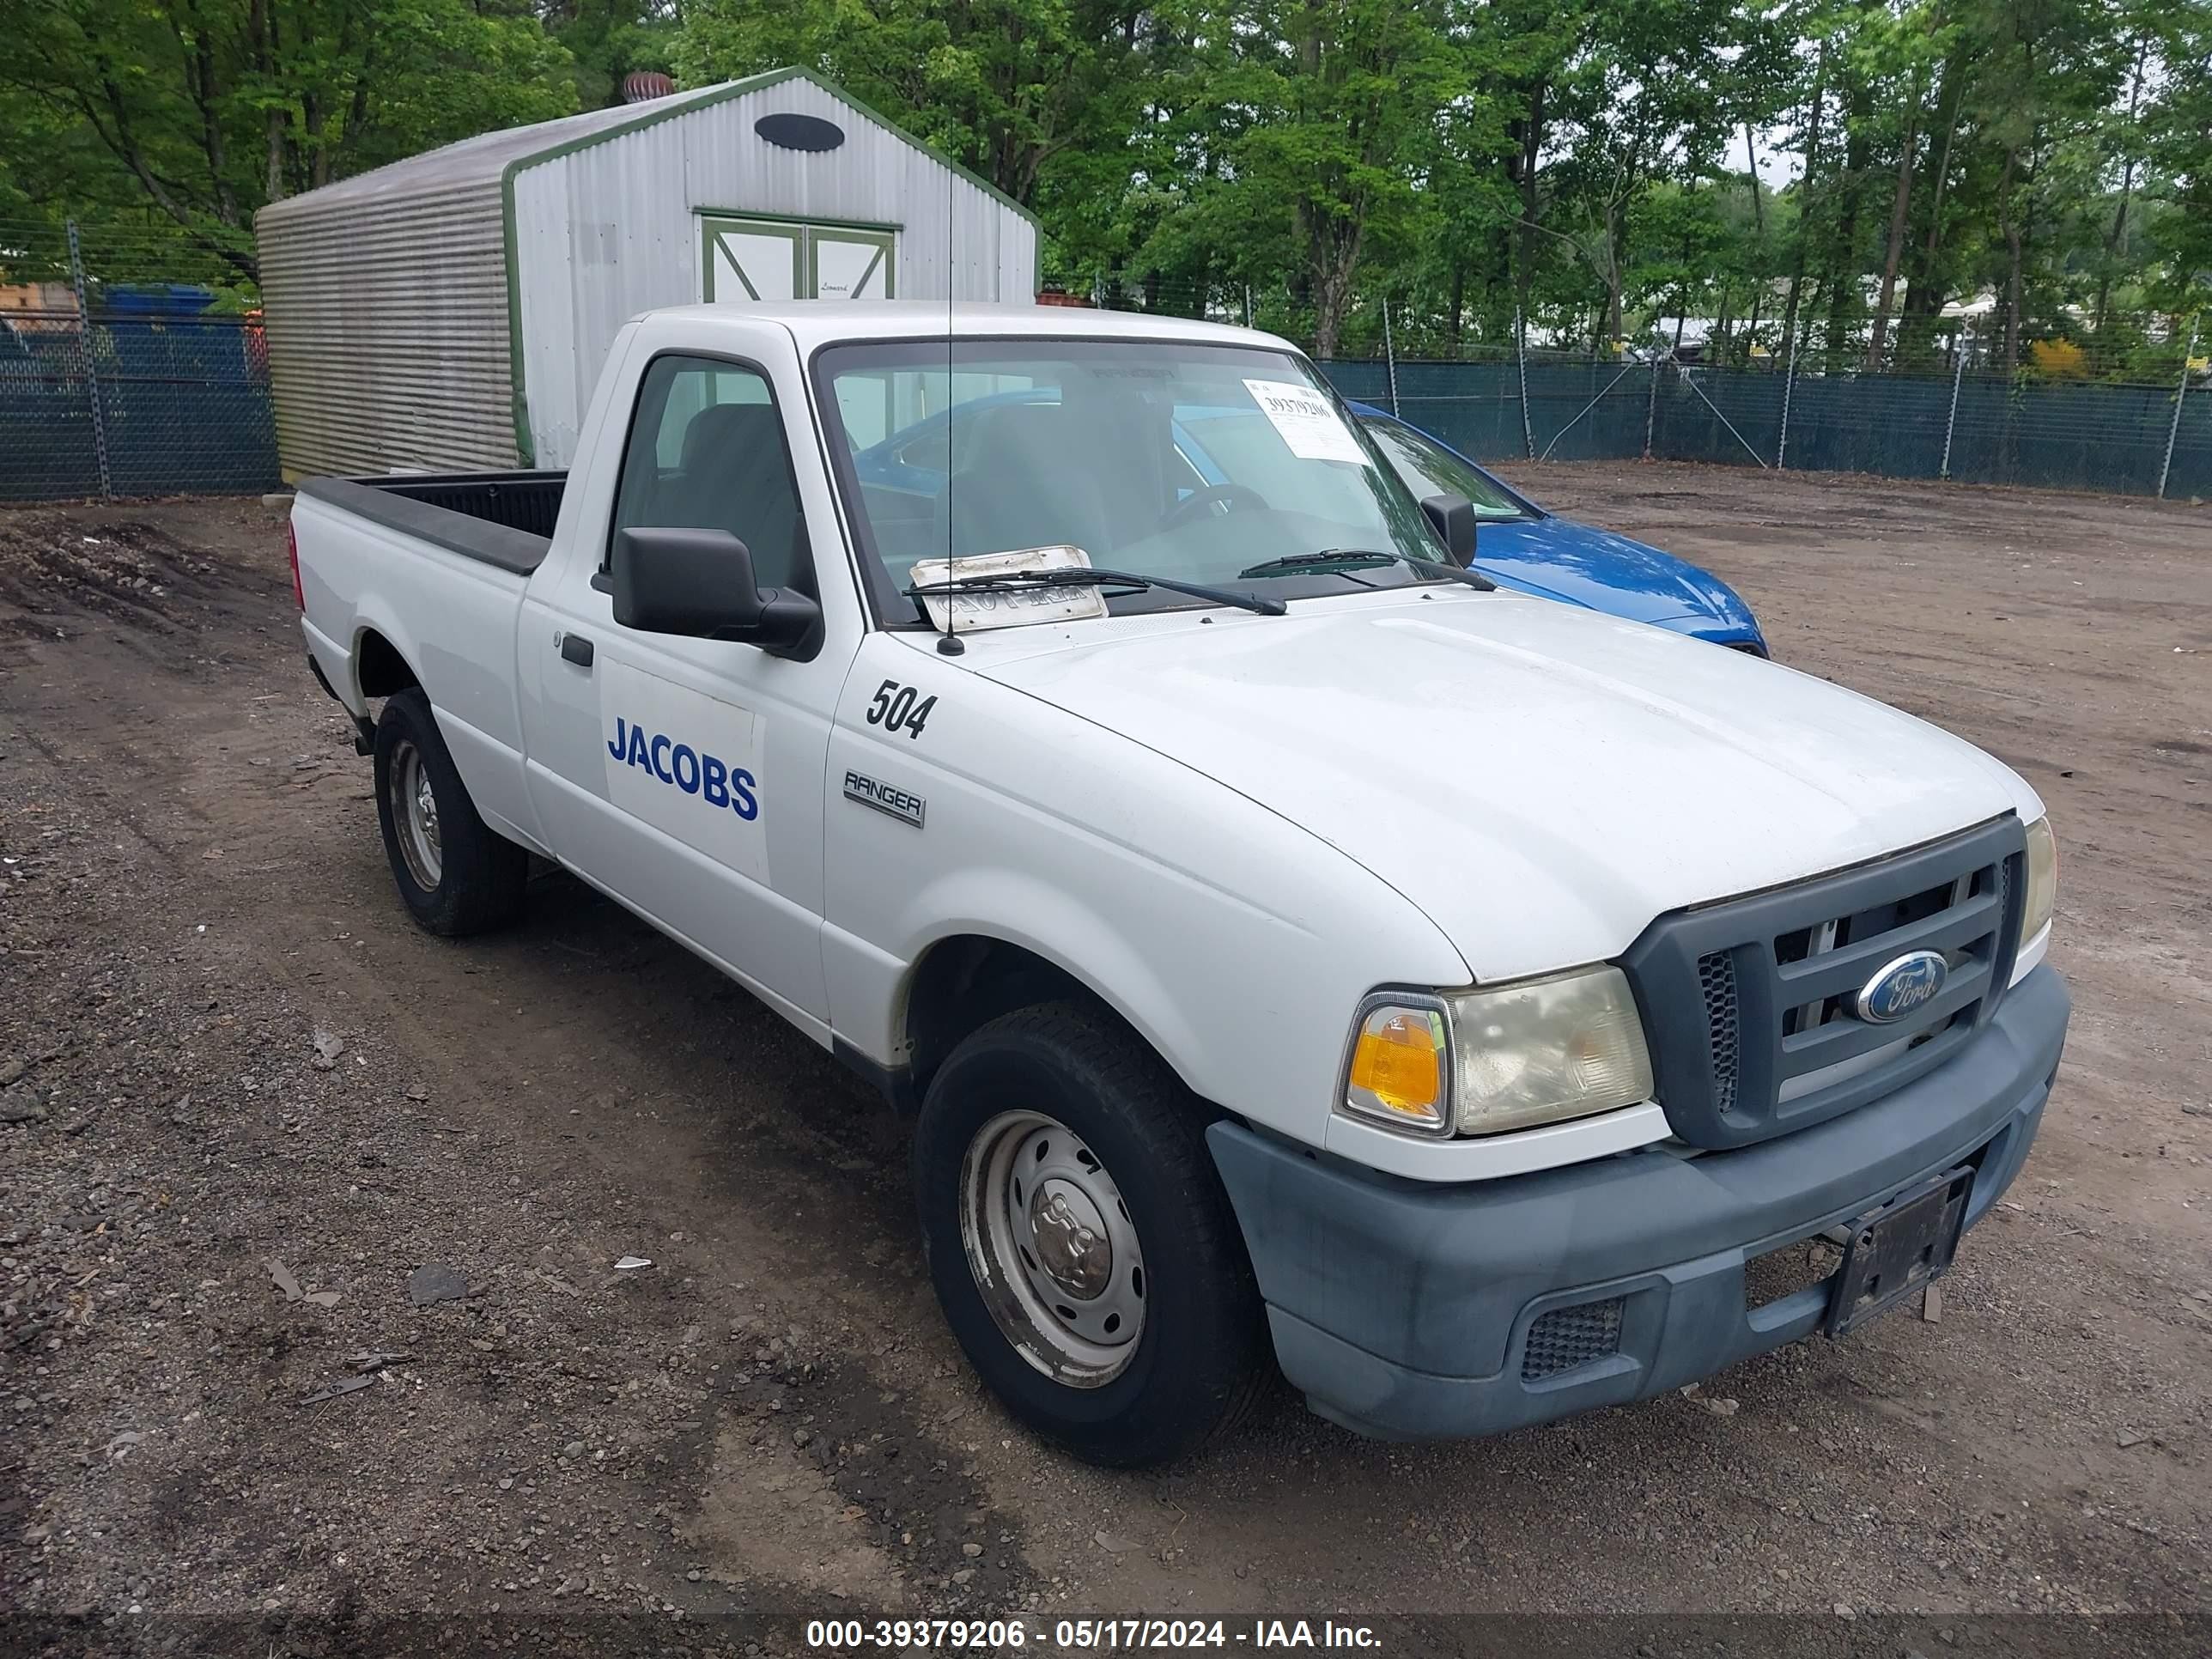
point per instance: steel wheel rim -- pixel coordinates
(1052, 1248)
(415, 815)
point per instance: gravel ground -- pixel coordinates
(244, 1103)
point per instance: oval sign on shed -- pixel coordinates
(789, 131)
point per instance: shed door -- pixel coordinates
(757, 259)
(747, 260)
(851, 264)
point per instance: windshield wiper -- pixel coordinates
(1329, 563)
(1339, 557)
(1085, 576)
(1473, 579)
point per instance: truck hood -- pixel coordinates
(1542, 781)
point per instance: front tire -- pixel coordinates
(456, 874)
(1080, 1242)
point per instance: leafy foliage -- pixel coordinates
(190, 114)
(1796, 175)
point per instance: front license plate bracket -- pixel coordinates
(1899, 1248)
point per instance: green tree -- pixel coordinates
(204, 110)
(1585, 164)
(609, 39)
(2179, 140)
(1656, 93)
(1344, 98)
(1004, 86)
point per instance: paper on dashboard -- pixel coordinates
(1006, 607)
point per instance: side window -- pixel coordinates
(707, 451)
(1429, 469)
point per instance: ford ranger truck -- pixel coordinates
(1295, 953)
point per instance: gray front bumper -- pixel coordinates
(1402, 1309)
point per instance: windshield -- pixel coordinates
(1192, 462)
(1429, 469)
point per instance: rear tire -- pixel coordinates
(1079, 1239)
(456, 874)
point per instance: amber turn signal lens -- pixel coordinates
(1398, 1071)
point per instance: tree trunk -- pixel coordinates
(261, 31)
(1759, 228)
(2113, 241)
(1335, 256)
(1613, 220)
(1532, 143)
(206, 94)
(1844, 247)
(2010, 223)
(1329, 321)
(1899, 209)
(1758, 202)
(1923, 293)
(311, 126)
(1816, 109)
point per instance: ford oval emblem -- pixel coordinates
(1911, 981)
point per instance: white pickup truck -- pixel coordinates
(1287, 945)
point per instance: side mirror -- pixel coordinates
(699, 583)
(1452, 517)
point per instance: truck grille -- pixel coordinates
(1723, 1023)
(1751, 1005)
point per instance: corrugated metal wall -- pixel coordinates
(613, 229)
(387, 325)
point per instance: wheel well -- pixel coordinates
(964, 982)
(380, 668)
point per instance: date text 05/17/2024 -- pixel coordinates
(1086, 1635)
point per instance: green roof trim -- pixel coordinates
(679, 104)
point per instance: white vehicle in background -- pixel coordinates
(1292, 949)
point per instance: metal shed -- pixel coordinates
(453, 311)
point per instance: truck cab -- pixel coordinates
(1295, 953)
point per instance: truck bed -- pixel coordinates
(503, 519)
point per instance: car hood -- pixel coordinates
(1560, 559)
(1542, 781)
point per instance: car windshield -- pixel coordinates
(1186, 462)
(1429, 469)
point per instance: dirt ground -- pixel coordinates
(242, 1100)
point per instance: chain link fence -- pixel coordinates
(2121, 402)
(141, 403)
(1973, 426)
(125, 386)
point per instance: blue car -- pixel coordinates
(1521, 546)
(1517, 545)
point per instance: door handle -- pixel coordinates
(575, 649)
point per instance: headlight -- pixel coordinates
(1480, 1063)
(2042, 879)
(1546, 1049)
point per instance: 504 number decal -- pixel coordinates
(895, 709)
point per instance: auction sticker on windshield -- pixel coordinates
(1307, 421)
(1006, 607)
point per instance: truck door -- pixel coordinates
(685, 776)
